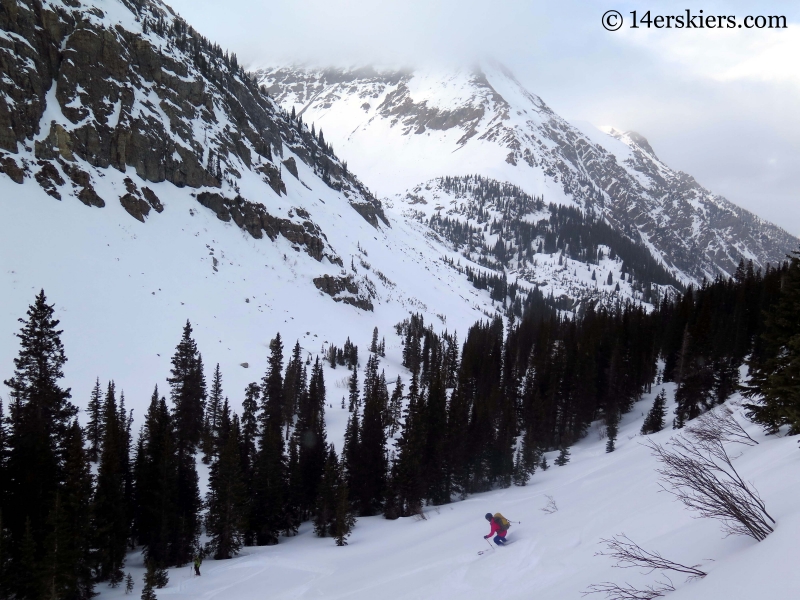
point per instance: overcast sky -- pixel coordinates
(722, 105)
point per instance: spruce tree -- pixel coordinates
(188, 392)
(395, 412)
(312, 440)
(344, 519)
(270, 482)
(94, 428)
(352, 386)
(225, 498)
(775, 369)
(654, 421)
(248, 457)
(294, 386)
(68, 562)
(156, 483)
(371, 455)
(373, 347)
(327, 498)
(39, 421)
(211, 425)
(110, 500)
(563, 456)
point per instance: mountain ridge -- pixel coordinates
(401, 128)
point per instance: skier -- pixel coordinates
(197, 562)
(500, 526)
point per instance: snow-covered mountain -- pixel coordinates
(399, 129)
(145, 180)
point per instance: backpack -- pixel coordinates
(501, 521)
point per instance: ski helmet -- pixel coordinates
(488, 516)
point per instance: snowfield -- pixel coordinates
(552, 555)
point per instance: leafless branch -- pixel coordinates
(720, 425)
(629, 554)
(628, 592)
(701, 475)
(550, 507)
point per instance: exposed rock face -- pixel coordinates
(343, 289)
(254, 219)
(291, 166)
(144, 94)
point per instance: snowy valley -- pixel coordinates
(532, 284)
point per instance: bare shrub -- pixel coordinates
(550, 507)
(719, 425)
(629, 554)
(614, 591)
(700, 474)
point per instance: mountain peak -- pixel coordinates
(401, 129)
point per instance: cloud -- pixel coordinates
(741, 54)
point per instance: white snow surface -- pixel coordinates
(552, 556)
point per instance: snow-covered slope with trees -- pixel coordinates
(399, 129)
(146, 180)
(552, 556)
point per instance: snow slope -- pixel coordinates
(126, 278)
(552, 556)
(124, 289)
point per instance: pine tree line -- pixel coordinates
(469, 418)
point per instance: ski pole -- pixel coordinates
(490, 543)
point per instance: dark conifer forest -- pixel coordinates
(472, 414)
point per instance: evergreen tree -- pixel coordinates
(345, 520)
(370, 451)
(94, 428)
(147, 591)
(654, 421)
(211, 425)
(294, 386)
(326, 502)
(312, 440)
(68, 561)
(248, 457)
(39, 421)
(775, 370)
(408, 485)
(225, 498)
(270, 480)
(695, 381)
(395, 412)
(563, 456)
(351, 463)
(156, 577)
(156, 483)
(373, 347)
(110, 510)
(188, 392)
(352, 387)
(128, 584)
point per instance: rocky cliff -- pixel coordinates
(127, 85)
